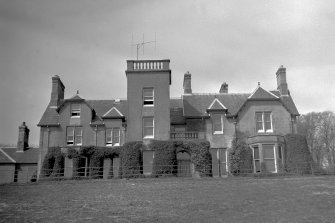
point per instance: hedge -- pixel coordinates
(53, 163)
(131, 160)
(240, 156)
(298, 156)
(165, 160)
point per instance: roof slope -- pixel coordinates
(261, 94)
(28, 156)
(195, 105)
(49, 117)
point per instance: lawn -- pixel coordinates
(300, 199)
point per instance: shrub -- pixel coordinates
(165, 161)
(53, 163)
(240, 156)
(298, 157)
(131, 159)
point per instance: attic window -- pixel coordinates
(75, 110)
(148, 96)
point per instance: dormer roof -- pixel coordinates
(216, 105)
(113, 113)
(261, 94)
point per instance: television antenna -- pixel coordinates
(141, 45)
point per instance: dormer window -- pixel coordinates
(217, 123)
(148, 96)
(264, 122)
(75, 110)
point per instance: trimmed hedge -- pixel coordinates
(298, 156)
(131, 160)
(53, 163)
(240, 156)
(165, 161)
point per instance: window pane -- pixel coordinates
(267, 126)
(148, 131)
(268, 151)
(149, 92)
(267, 116)
(259, 126)
(70, 131)
(78, 139)
(256, 152)
(148, 122)
(75, 109)
(217, 122)
(257, 166)
(269, 165)
(259, 117)
(116, 136)
(280, 152)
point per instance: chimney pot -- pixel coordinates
(281, 80)
(187, 83)
(57, 91)
(22, 143)
(224, 88)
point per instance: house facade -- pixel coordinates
(149, 113)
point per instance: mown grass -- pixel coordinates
(302, 199)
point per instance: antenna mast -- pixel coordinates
(139, 45)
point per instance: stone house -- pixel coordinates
(19, 164)
(149, 113)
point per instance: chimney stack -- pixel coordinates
(281, 81)
(224, 88)
(22, 143)
(187, 83)
(57, 92)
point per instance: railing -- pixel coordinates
(187, 135)
(138, 65)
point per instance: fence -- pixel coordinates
(30, 174)
(298, 169)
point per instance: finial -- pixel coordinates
(77, 91)
(259, 83)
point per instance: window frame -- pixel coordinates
(259, 160)
(263, 122)
(75, 136)
(274, 155)
(150, 126)
(217, 132)
(148, 100)
(75, 111)
(110, 134)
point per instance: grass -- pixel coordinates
(301, 199)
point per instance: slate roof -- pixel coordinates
(176, 111)
(113, 113)
(190, 105)
(261, 94)
(28, 156)
(50, 117)
(216, 105)
(195, 105)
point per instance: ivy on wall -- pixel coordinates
(240, 156)
(165, 160)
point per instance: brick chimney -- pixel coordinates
(22, 143)
(187, 83)
(281, 81)
(57, 92)
(224, 88)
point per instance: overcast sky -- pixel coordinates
(87, 44)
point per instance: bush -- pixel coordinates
(240, 156)
(53, 163)
(165, 161)
(131, 159)
(298, 157)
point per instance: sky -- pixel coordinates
(87, 44)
